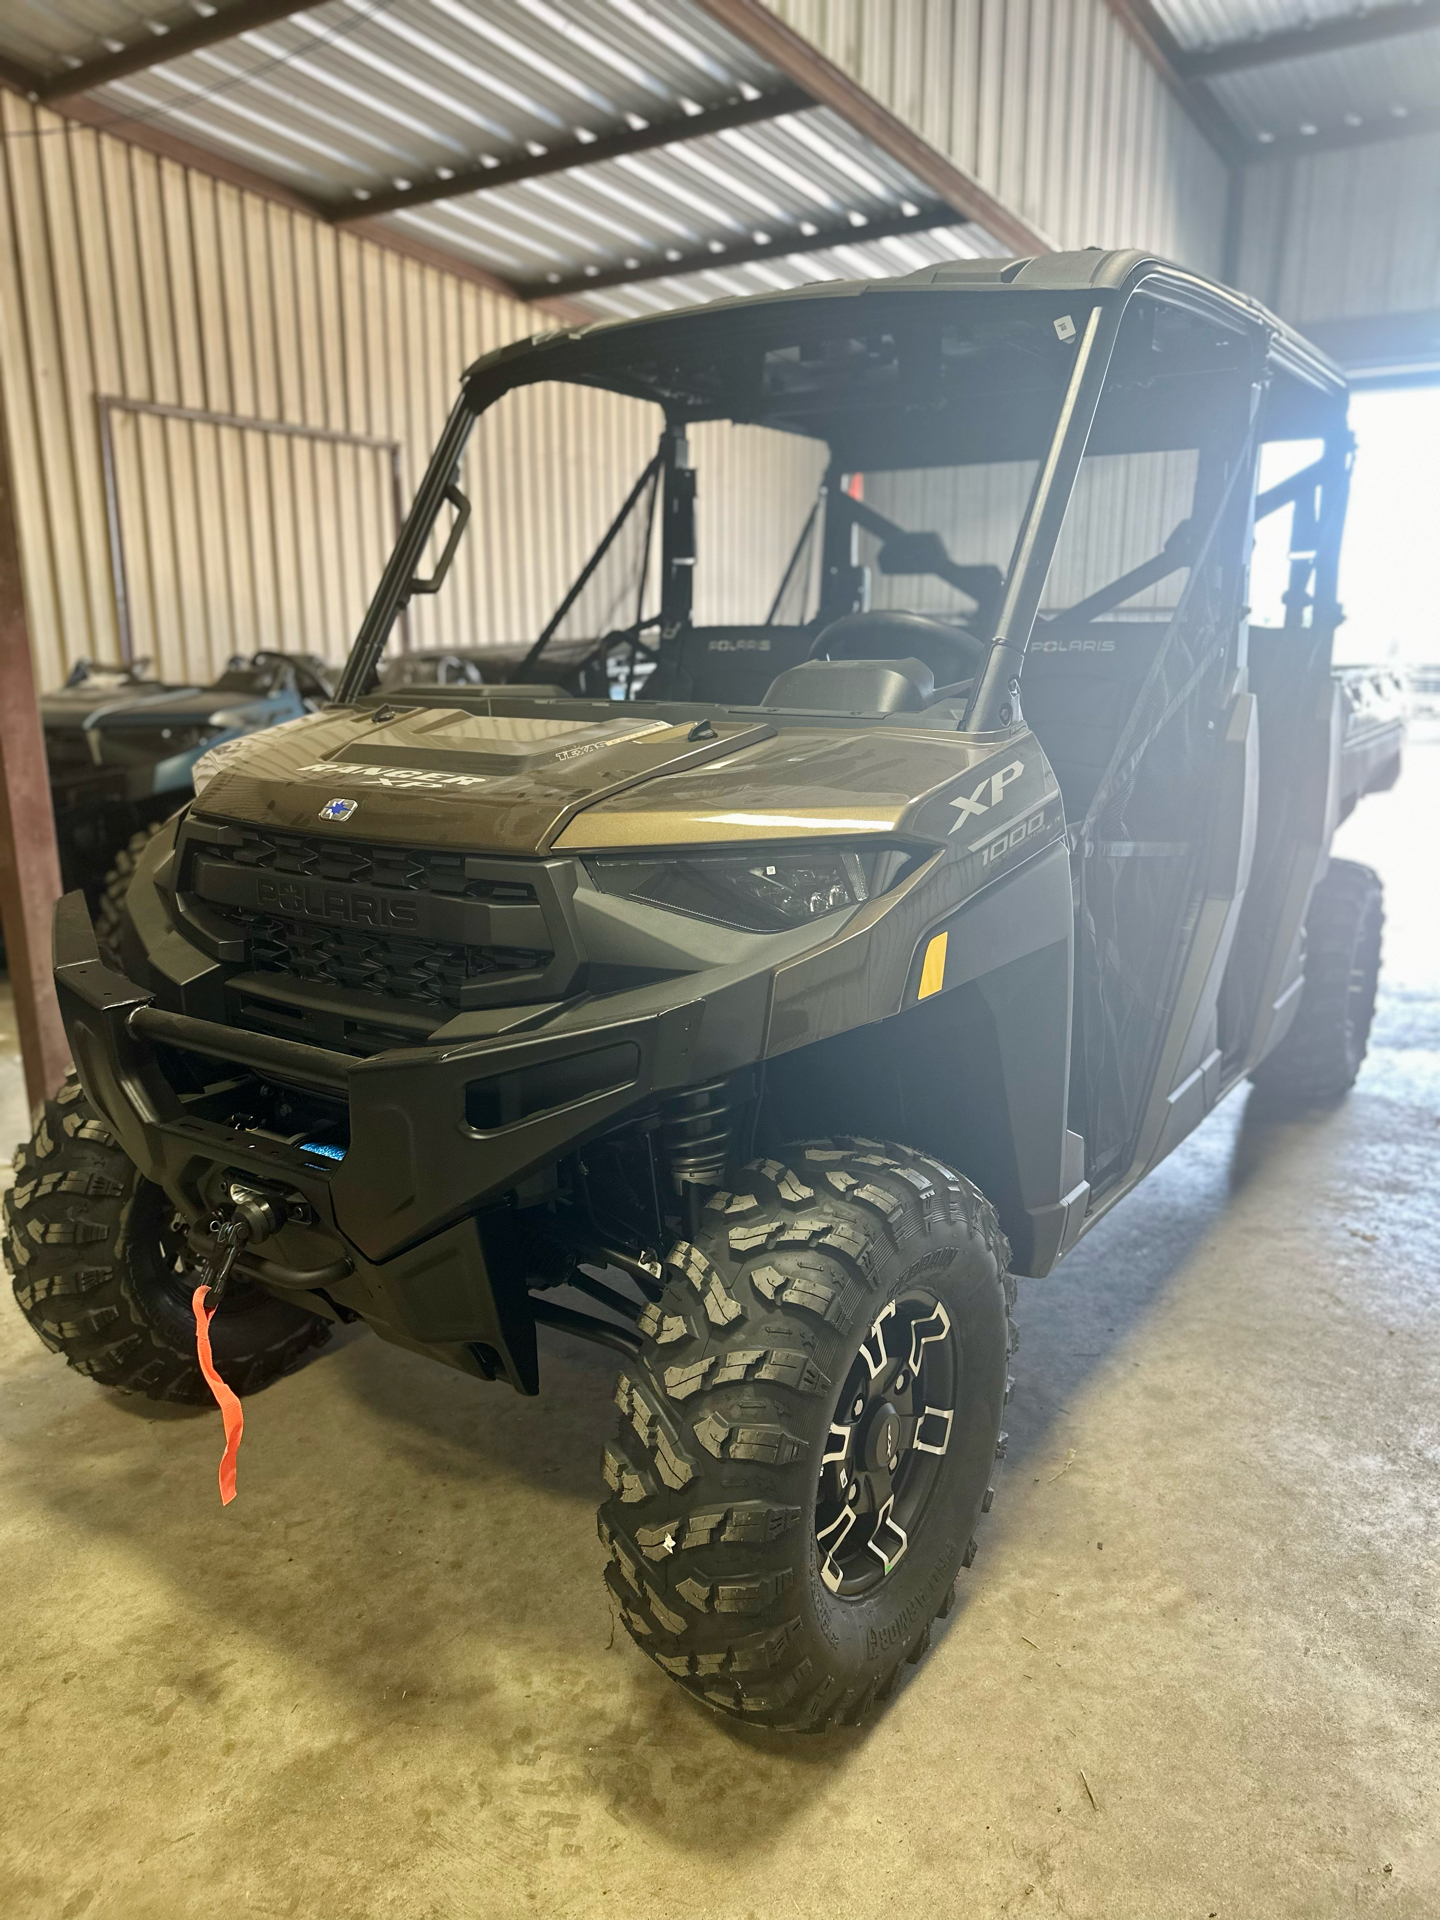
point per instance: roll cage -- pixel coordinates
(1043, 367)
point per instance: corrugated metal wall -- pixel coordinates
(1049, 103)
(121, 274)
(1124, 508)
(125, 275)
(1348, 233)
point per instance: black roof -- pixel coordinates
(1004, 325)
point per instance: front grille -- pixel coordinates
(423, 871)
(429, 930)
(416, 970)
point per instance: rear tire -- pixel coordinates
(100, 1271)
(109, 913)
(1321, 1055)
(850, 1275)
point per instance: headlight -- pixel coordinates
(141, 746)
(763, 891)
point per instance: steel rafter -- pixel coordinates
(155, 49)
(22, 79)
(1331, 35)
(741, 254)
(1364, 133)
(569, 154)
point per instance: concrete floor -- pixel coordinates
(1193, 1671)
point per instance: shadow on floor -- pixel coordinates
(411, 1541)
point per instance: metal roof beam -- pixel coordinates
(1381, 348)
(19, 78)
(667, 132)
(704, 259)
(1367, 133)
(155, 48)
(1142, 21)
(1331, 35)
(754, 23)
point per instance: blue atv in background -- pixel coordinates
(121, 750)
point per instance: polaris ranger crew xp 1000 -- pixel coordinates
(762, 1027)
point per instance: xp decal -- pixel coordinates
(996, 783)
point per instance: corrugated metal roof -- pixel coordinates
(1209, 23)
(356, 97)
(50, 34)
(755, 184)
(357, 93)
(1386, 81)
(866, 260)
(1375, 84)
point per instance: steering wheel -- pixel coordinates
(950, 654)
(618, 637)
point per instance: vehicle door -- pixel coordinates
(1130, 684)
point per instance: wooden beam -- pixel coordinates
(705, 258)
(567, 154)
(1148, 30)
(1334, 34)
(760, 29)
(153, 49)
(1369, 133)
(29, 857)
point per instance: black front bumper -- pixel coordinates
(439, 1136)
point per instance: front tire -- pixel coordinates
(100, 1270)
(110, 914)
(1321, 1055)
(810, 1434)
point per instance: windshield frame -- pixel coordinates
(600, 356)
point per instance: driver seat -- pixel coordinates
(853, 687)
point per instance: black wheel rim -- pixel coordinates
(885, 1450)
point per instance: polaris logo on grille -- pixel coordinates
(307, 900)
(338, 809)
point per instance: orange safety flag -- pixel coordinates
(227, 1401)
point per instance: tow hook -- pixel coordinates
(253, 1214)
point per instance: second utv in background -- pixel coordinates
(121, 751)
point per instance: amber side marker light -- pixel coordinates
(932, 974)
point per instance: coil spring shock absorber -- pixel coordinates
(696, 1136)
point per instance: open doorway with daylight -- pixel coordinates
(1388, 560)
(1388, 553)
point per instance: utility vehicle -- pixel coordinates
(764, 1027)
(572, 666)
(121, 747)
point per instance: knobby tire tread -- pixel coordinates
(109, 914)
(709, 1519)
(76, 1281)
(1321, 1055)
